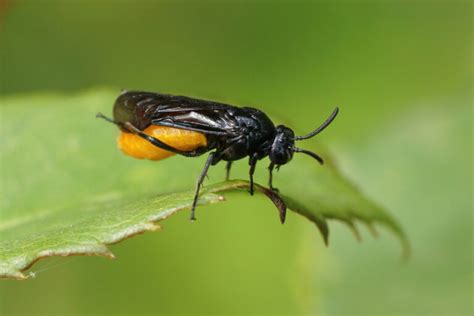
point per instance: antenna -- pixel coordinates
(309, 153)
(320, 128)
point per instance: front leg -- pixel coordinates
(200, 180)
(270, 178)
(227, 170)
(252, 163)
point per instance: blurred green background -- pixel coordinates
(401, 73)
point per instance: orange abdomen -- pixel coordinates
(137, 147)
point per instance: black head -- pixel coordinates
(283, 146)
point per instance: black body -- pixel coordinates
(232, 132)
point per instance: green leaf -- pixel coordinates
(67, 191)
(88, 229)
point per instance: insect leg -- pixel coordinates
(199, 182)
(108, 119)
(157, 142)
(270, 178)
(227, 170)
(252, 163)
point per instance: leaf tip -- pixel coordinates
(326, 239)
(354, 230)
(372, 229)
(277, 201)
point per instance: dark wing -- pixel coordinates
(203, 116)
(168, 103)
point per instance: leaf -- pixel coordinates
(67, 191)
(87, 230)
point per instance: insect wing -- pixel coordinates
(182, 112)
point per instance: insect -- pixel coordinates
(155, 126)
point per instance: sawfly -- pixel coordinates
(155, 126)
